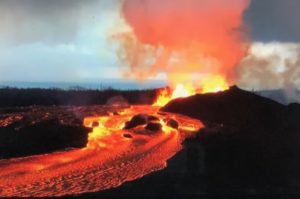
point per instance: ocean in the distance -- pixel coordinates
(101, 85)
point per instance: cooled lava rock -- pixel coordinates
(95, 124)
(116, 113)
(136, 120)
(41, 137)
(152, 118)
(173, 123)
(140, 119)
(127, 135)
(26, 131)
(154, 126)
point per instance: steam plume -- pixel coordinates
(273, 65)
(185, 39)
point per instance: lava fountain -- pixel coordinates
(209, 85)
(196, 44)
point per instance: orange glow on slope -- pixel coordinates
(181, 90)
(210, 84)
(214, 84)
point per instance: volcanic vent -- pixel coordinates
(196, 45)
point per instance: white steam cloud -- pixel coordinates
(272, 65)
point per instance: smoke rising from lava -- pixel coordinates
(273, 65)
(186, 40)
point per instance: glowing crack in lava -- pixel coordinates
(113, 156)
(209, 84)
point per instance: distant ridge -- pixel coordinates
(93, 85)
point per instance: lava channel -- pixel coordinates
(113, 156)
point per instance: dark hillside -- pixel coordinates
(250, 142)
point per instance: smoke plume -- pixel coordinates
(270, 66)
(184, 39)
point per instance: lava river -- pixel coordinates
(112, 156)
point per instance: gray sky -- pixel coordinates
(274, 20)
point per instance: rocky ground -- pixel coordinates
(33, 130)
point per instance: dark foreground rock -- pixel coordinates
(127, 135)
(153, 126)
(43, 137)
(135, 121)
(173, 123)
(251, 144)
(149, 121)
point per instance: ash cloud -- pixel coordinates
(189, 38)
(270, 66)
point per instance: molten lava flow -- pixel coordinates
(113, 156)
(104, 128)
(210, 84)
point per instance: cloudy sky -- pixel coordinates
(67, 40)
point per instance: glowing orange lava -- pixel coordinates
(214, 84)
(109, 160)
(210, 84)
